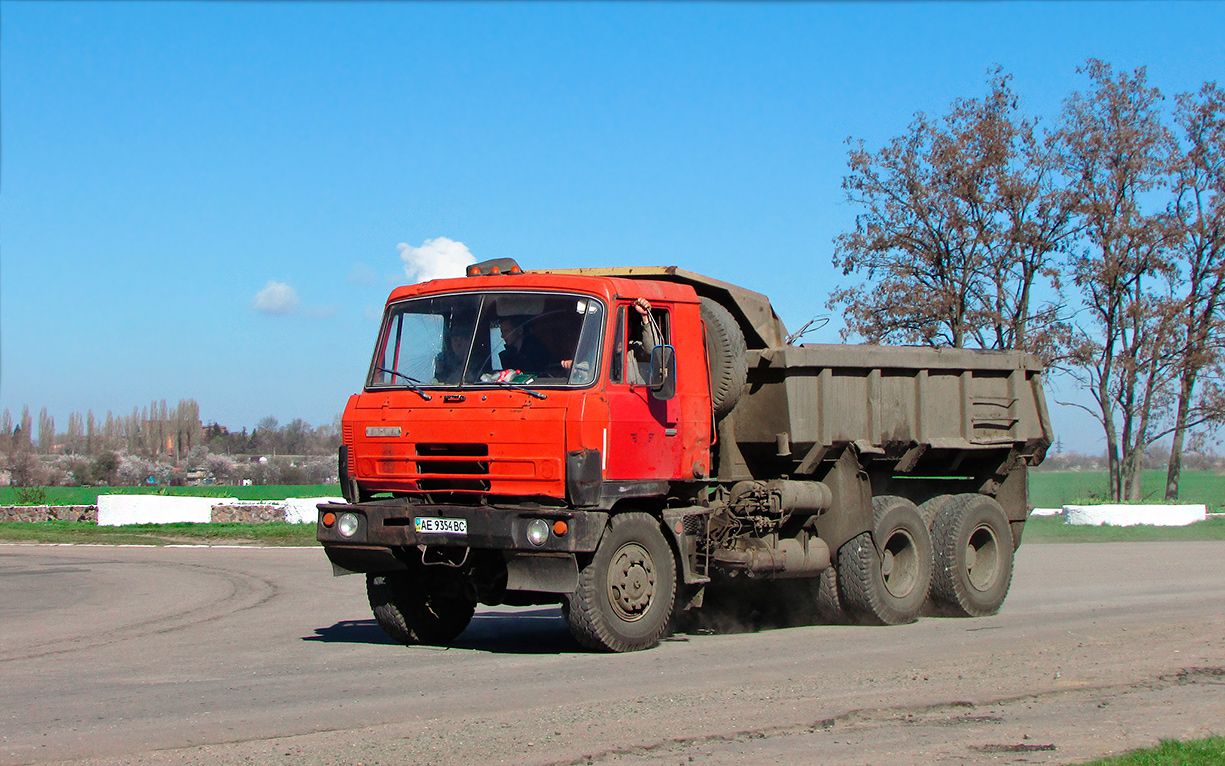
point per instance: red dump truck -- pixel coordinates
(619, 441)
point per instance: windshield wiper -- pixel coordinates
(513, 387)
(413, 384)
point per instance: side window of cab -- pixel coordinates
(636, 335)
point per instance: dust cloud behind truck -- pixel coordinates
(625, 442)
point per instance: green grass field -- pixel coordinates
(1052, 489)
(89, 495)
(1199, 752)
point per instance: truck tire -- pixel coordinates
(829, 603)
(626, 595)
(406, 610)
(974, 554)
(931, 509)
(727, 355)
(884, 575)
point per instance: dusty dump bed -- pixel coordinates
(895, 401)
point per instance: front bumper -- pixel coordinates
(390, 524)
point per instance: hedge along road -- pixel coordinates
(147, 655)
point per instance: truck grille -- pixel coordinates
(506, 466)
(479, 467)
(453, 450)
(452, 471)
(453, 485)
(347, 440)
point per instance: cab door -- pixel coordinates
(644, 434)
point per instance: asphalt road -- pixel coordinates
(216, 656)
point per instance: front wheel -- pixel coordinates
(412, 612)
(627, 594)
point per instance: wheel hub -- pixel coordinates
(631, 581)
(900, 564)
(982, 558)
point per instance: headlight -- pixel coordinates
(347, 524)
(537, 531)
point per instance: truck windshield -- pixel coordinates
(474, 339)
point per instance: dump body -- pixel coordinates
(919, 422)
(882, 399)
(478, 470)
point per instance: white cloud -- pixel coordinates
(276, 298)
(437, 258)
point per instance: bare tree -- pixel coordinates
(26, 470)
(961, 217)
(266, 435)
(110, 432)
(75, 437)
(1198, 211)
(1039, 223)
(46, 432)
(295, 436)
(129, 432)
(189, 432)
(1115, 150)
(23, 440)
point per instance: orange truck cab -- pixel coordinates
(504, 416)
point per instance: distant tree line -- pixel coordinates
(1156, 457)
(163, 445)
(1097, 243)
(153, 430)
(297, 437)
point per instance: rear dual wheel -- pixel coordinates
(884, 575)
(973, 556)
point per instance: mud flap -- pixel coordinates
(584, 477)
(354, 559)
(541, 572)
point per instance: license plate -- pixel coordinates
(433, 526)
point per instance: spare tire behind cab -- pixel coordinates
(726, 352)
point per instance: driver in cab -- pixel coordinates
(524, 351)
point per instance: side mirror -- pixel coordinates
(663, 372)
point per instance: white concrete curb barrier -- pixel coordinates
(117, 510)
(1129, 515)
(305, 510)
(1046, 512)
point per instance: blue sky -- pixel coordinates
(163, 164)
